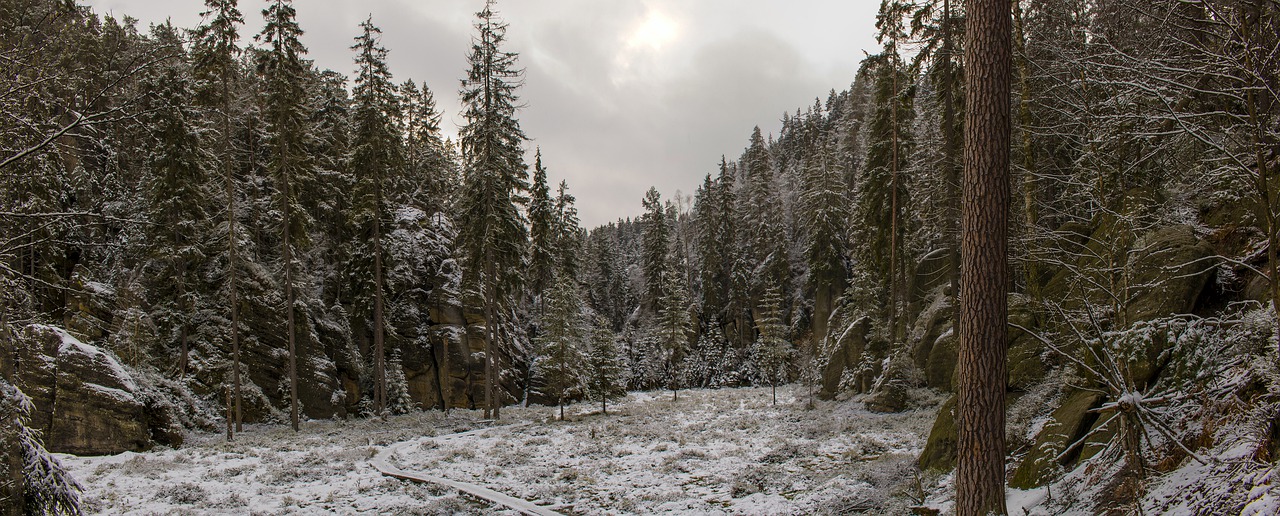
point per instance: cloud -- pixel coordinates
(620, 95)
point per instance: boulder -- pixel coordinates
(940, 369)
(940, 450)
(1026, 364)
(890, 391)
(85, 402)
(848, 349)
(1068, 424)
(1169, 269)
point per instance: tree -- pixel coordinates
(176, 200)
(657, 240)
(771, 348)
(42, 485)
(542, 227)
(672, 330)
(430, 172)
(375, 158)
(213, 57)
(562, 341)
(980, 416)
(883, 197)
(493, 234)
(606, 377)
(284, 73)
(824, 201)
(568, 238)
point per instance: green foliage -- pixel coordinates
(562, 343)
(606, 378)
(772, 350)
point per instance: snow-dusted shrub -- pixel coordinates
(184, 493)
(47, 487)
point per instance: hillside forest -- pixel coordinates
(199, 223)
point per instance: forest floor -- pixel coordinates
(723, 451)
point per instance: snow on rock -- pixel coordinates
(85, 401)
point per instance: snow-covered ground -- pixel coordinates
(724, 451)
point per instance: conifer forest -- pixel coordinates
(1024, 262)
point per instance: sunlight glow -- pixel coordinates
(655, 32)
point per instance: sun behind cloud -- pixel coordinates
(655, 32)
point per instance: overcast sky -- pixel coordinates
(620, 94)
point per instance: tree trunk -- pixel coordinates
(893, 203)
(983, 309)
(231, 261)
(379, 358)
(288, 294)
(951, 172)
(1265, 196)
(1030, 189)
(489, 322)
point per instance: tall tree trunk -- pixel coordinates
(980, 416)
(893, 204)
(490, 410)
(231, 253)
(950, 144)
(1265, 195)
(183, 310)
(379, 355)
(1030, 189)
(288, 295)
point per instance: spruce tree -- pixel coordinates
(672, 330)
(430, 173)
(606, 379)
(493, 234)
(825, 207)
(657, 240)
(214, 67)
(284, 75)
(177, 198)
(882, 197)
(375, 158)
(568, 237)
(562, 342)
(542, 233)
(772, 350)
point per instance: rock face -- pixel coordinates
(1066, 425)
(1165, 272)
(85, 402)
(848, 351)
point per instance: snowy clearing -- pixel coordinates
(726, 451)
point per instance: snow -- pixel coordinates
(71, 345)
(726, 451)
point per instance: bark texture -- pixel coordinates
(984, 269)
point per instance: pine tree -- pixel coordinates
(981, 365)
(493, 234)
(606, 378)
(772, 350)
(657, 240)
(824, 203)
(762, 211)
(284, 72)
(177, 197)
(430, 173)
(376, 156)
(672, 330)
(882, 196)
(569, 233)
(213, 58)
(562, 342)
(542, 229)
